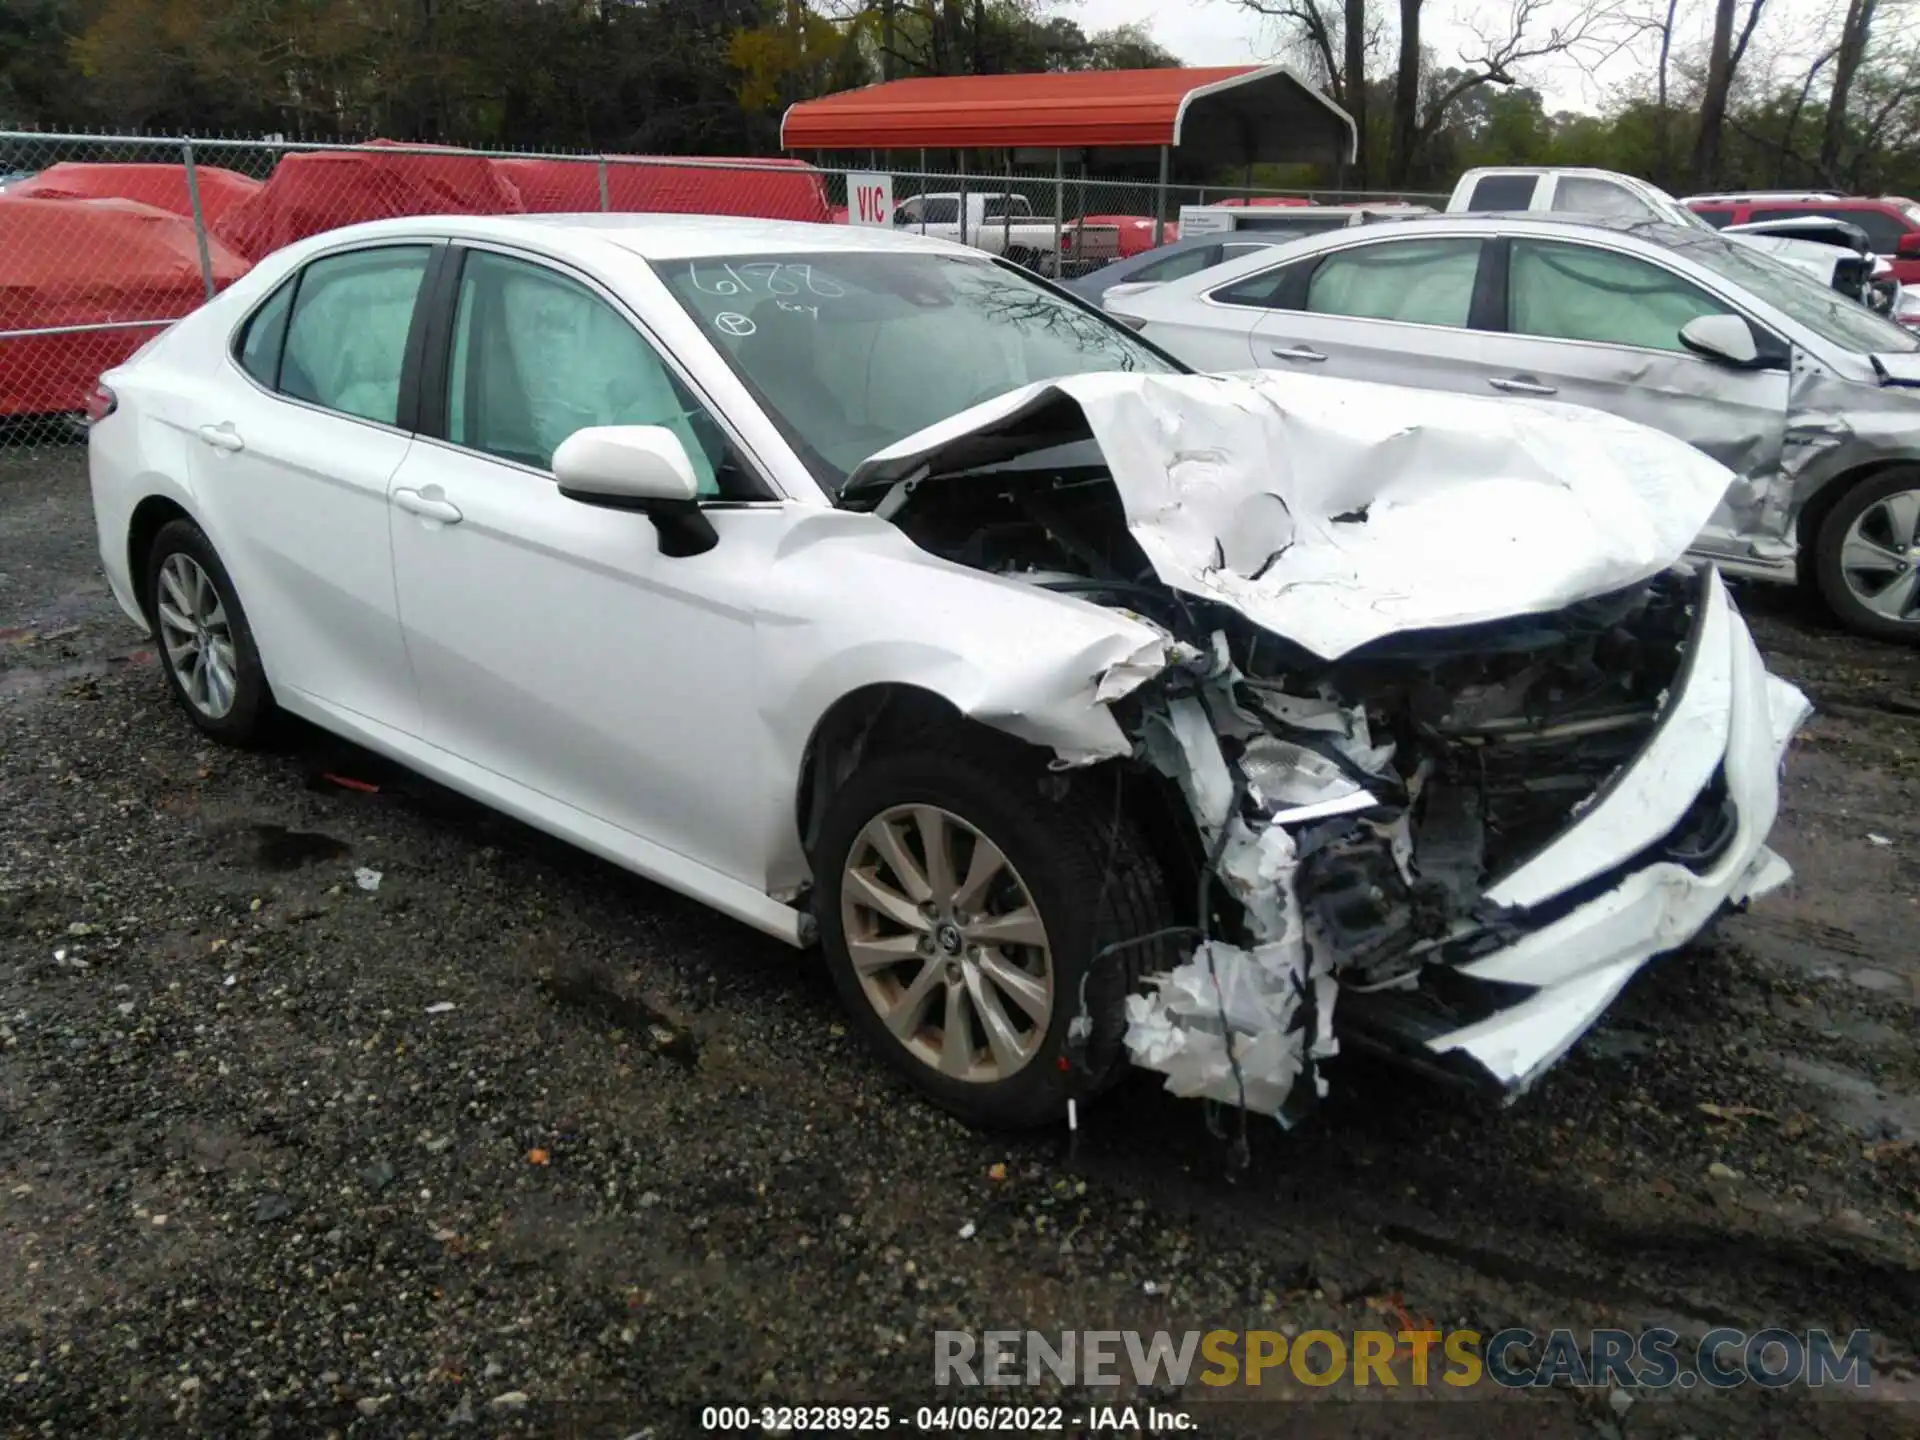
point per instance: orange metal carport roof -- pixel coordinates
(1232, 113)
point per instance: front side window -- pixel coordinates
(537, 356)
(346, 339)
(1417, 282)
(1577, 292)
(849, 351)
(1718, 219)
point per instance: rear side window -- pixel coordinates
(1502, 192)
(347, 335)
(1269, 290)
(1172, 267)
(265, 333)
(1417, 282)
(1718, 219)
(1883, 230)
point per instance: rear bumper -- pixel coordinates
(1618, 887)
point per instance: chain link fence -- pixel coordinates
(106, 239)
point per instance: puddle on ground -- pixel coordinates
(38, 679)
(591, 989)
(1856, 1101)
(278, 848)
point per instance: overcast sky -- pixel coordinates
(1219, 32)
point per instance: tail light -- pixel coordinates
(1066, 239)
(101, 403)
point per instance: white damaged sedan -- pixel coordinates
(880, 596)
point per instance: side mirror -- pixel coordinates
(1908, 246)
(637, 467)
(1721, 337)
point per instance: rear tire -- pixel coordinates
(1084, 882)
(1866, 554)
(206, 646)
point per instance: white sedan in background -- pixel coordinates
(876, 594)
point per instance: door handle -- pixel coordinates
(222, 436)
(1304, 353)
(430, 507)
(1522, 385)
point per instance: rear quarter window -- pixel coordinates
(1502, 192)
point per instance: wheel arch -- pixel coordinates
(882, 718)
(149, 517)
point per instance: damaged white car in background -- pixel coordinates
(876, 594)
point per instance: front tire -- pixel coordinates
(1867, 556)
(961, 906)
(206, 645)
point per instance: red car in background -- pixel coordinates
(1892, 222)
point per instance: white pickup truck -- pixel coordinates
(1006, 225)
(1572, 190)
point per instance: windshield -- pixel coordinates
(850, 351)
(1796, 294)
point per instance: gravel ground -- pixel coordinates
(515, 1142)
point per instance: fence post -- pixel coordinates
(1060, 210)
(199, 217)
(604, 207)
(962, 166)
(1160, 200)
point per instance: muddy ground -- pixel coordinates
(256, 1176)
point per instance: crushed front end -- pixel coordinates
(1453, 848)
(1463, 742)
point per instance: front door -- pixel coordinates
(553, 643)
(1600, 328)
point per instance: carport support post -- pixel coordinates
(1160, 200)
(1059, 207)
(601, 163)
(199, 217)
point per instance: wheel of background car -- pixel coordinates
(206, 646)
(961, 909)
(1866, 553)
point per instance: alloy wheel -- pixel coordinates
(197, 636)
(947, 943)
(1879, 555)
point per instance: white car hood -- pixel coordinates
(1336, 512)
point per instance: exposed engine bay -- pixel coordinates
(1354, 813)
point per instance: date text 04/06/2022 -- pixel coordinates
(944, 1419)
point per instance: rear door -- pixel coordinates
(292, 465)
(1596, 326)
(1392, 309)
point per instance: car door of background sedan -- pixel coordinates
(1388, 310)
(552, 642)
(1598, 327)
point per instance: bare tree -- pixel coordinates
(1588, 32)
(1723, 60)
(1853, 48)
(1354, 98)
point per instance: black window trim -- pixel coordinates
(406, 402)
(436, 367)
